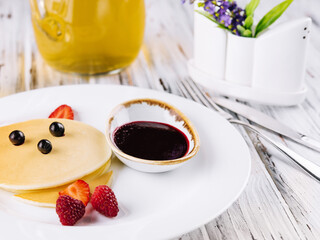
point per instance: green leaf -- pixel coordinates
(201, 4)
(241, 29)
(247, 33)
(210, 17)
(248, 22)
(272, 16)
(251, 7)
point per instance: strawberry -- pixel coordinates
(104, 201)
(69, 210)
(63, 111)
(78, 190)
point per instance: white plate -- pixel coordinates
(152, 206)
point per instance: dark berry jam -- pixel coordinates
(151, 140)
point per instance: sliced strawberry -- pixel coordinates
(78, 190)
(63, 111)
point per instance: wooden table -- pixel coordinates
(280, 201)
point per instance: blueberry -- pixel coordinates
(44, 146)
(57, 129)
(17, 137)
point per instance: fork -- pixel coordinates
(189, 87)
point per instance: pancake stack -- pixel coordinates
(37, 178)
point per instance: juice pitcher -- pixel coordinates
(88, 36)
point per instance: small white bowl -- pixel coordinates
(155, 111)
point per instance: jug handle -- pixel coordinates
(53, 27)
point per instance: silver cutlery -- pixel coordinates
(189, 88)
(267, 122)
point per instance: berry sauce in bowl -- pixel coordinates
(151, 140)
(151, 136)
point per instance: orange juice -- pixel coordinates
(88, 36)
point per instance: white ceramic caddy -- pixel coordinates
(268, 69)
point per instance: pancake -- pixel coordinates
(95, 174)
(80, 152)
(48, 197)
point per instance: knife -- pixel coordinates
(268, 122)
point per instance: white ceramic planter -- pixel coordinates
(209, 46)
(280, 56)
(274, 62)
(239, 59)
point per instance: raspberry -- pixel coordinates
(69, 210)
(104, 201)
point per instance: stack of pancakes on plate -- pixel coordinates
(82, 153)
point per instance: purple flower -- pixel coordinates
(226, 13)
(222, 11)
(232, 6)
(225, 5)
(209, 7)
(226, 20)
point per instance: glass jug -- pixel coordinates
(88, 36)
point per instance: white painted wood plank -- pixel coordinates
(283, 205)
